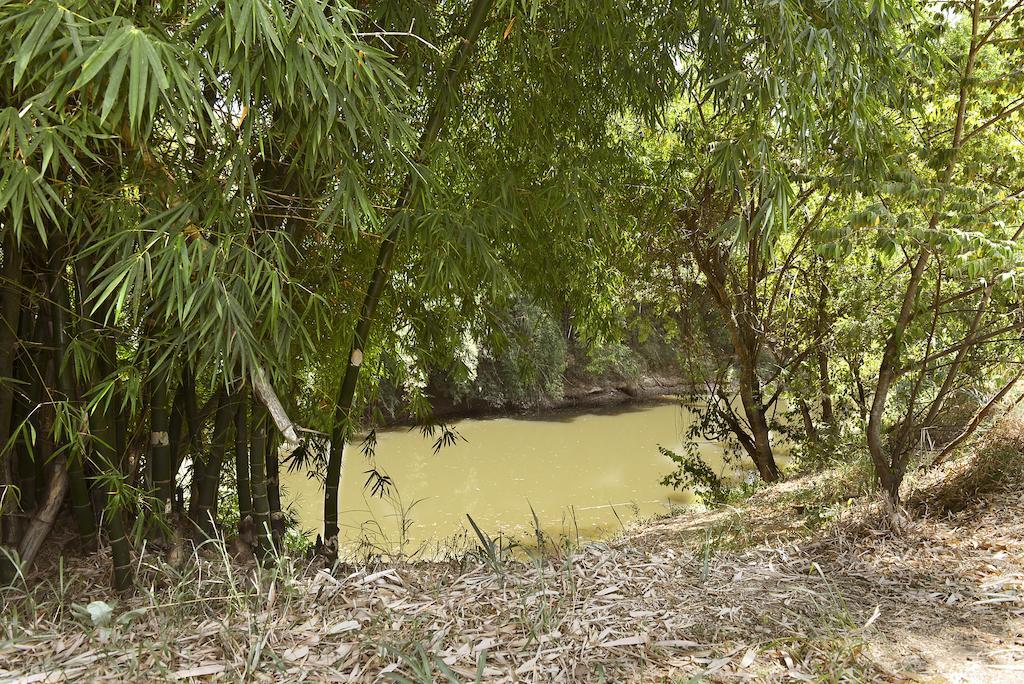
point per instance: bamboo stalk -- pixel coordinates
(258, 481)
(176, 427)
(10, 315)
(104, 433)
(382, 269)
(160, 442)
(31, 368)
(194, 418)
(81, 503)
(273, 476)
(242, 456)
(204, 515)
(42, 522)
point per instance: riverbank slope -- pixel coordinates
(807, 581)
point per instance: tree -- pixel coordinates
(765, 136)
(957, 242)
(162, 175)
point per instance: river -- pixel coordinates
(584, 474)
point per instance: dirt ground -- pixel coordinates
(805, 581)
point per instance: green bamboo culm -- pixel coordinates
(104, 435)
(81, 502)
(160, 442)
(273, 477)
(29, 369)
(120, 545)
(442, 104)
(204, 514)
(10, 303)
(10, 306)
(242, 455)
(258, 480)
(176, 433)
(193, 421)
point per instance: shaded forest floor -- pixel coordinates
(805, 581)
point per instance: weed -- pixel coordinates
(492, 551)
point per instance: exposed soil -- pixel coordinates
(800, 583)
(578, 395)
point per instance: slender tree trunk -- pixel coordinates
(750, 396)
(242, 456)
(861, 398)
(890, 468)
(889, 472)
(828, 416)
(809, 429)
(343, 408)
(827, 412)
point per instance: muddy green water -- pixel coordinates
(584, 474)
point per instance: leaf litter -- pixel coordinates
(756, 593)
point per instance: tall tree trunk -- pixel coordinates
(890, 468)
(346, 394)
(889, 472)
(753, 407)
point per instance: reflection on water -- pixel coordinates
(583, 474)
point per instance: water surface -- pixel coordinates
(584, 474)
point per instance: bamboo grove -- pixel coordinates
(228, 224)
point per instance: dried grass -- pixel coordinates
(789, 587)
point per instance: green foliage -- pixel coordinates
(526, 365)
(693, 473)
(614, 358)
